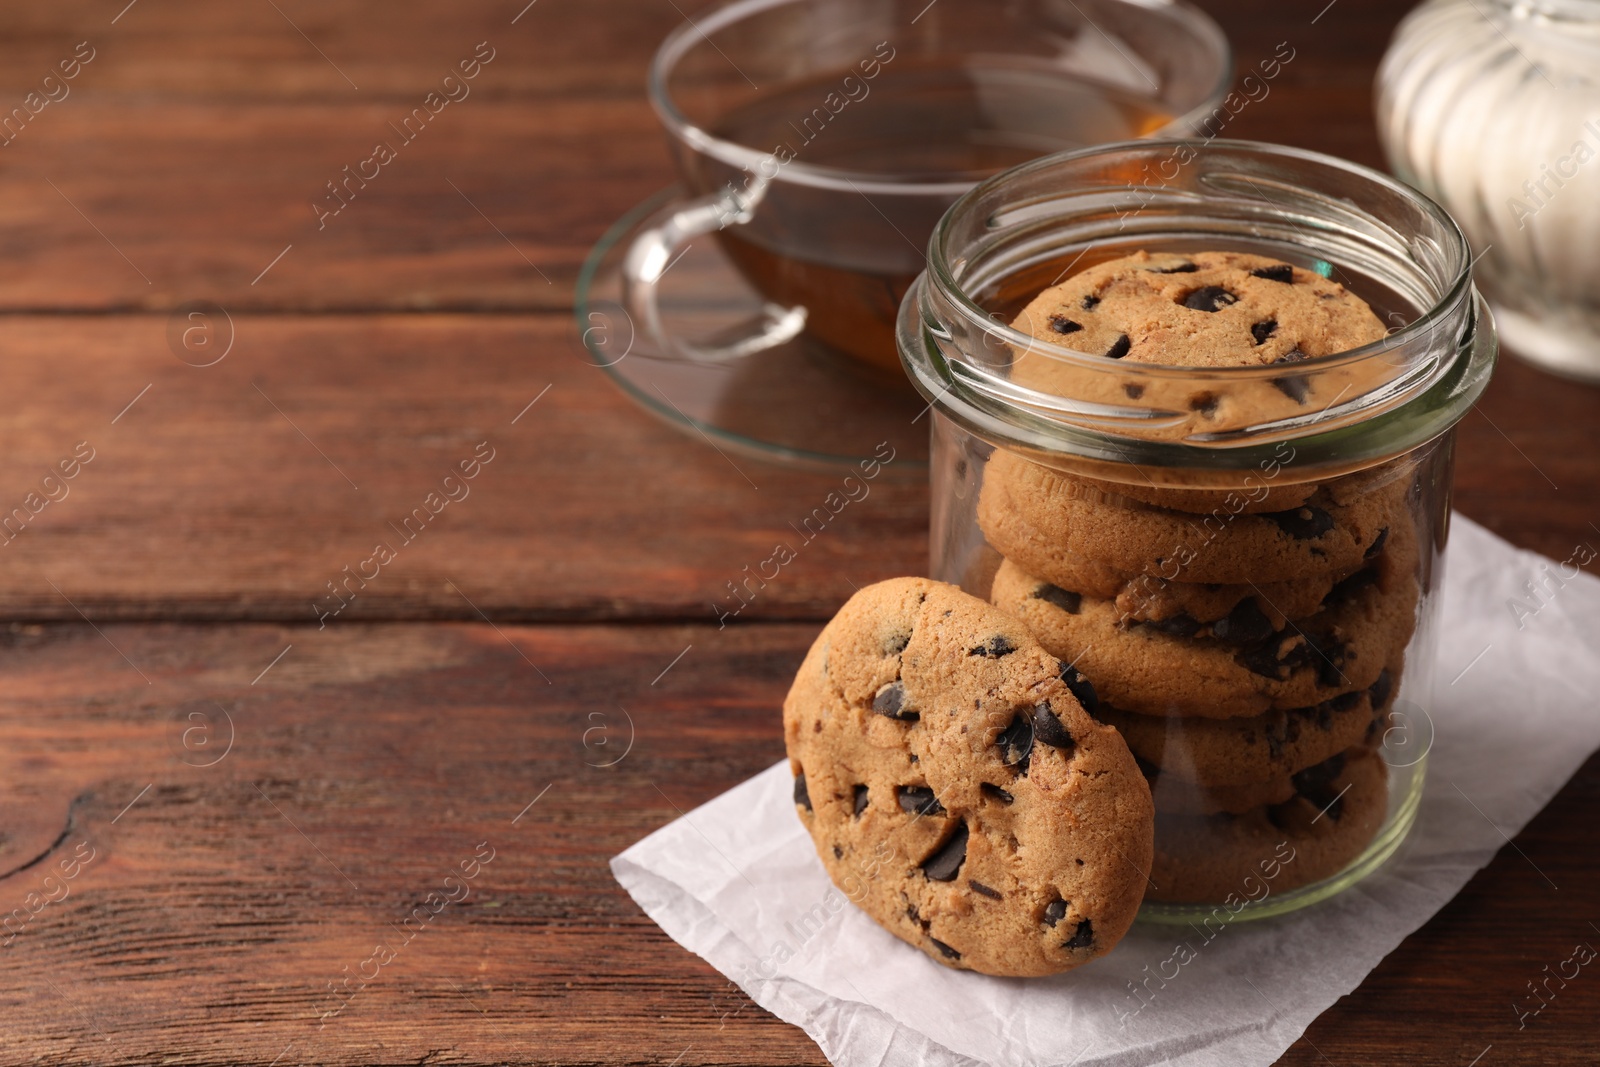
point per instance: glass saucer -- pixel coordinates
(799, 403)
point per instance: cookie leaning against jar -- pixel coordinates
(956, 788)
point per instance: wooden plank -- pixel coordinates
(188, 153)
(243, 489)
(229, 886)
(204, 500)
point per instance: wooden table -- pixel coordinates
(248, 802)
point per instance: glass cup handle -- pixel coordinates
(655, 250)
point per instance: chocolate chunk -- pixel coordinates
(946, 861)
(1281, 272)
(983, 890)
(1381, 690)
(1119, 347)
(1246, 624)
(1329, 658)
(801, 797)
(1277, 658)
(1350, 586)
(998, 646)
(1181, 268)
(896, 643)
(838, 853)
(1090, 301)
(1055, 911)
(1304, 523)
(860, 800)
(1296, 388)
(996, 792)
(1377, 543)
(1180, 625)
(1341, 703)
(949, 953)
(1049, 729)
(1204, 403)
(1294, 355)
(1081, 688)
(1082, 937)
(1263, 330)
(1016, 744)
(891, 702)
(1209, 298)
(918, 800)
(1134, 391)
(1068, 602)
(1062, 324)
(1316, 783)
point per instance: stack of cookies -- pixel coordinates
(1247, 643)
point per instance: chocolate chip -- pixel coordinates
(896, 643)
(1316, 783)
(1204, 403)
(1296, 388)
(945, 863)
(983, 890)
(1263, 330)
(1209, 298)
(1082, 937)
(1081, 688)
(838, 853)
(1181, 268)
(1134, 391)
(1180, 625)
(1246, 624)
(1305, 523)
(1055, 911)
(1377, 543)
(918, 800)
(1280, 272)
(1381, 690)
(995, 791)
(1062, 324)
(949, 953)
(1350, 586)
(998, 646)
(891, 702)
(1276, 658)
(1294, 355)
(1328, 660)
(1067, 601)
(1049, 729)
(1090, 301)
(801, 797)
(860, 800)
(1016, 744)
(1119, 347)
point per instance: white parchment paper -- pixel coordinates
(737, 880)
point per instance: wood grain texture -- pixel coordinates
(243, 489)
(224, 894)
(229, 885)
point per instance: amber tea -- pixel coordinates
(881, 165)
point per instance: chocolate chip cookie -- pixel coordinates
(1241, 752)
(1337, 808)
(956, 788)
(1140, 667)
(1208, 309)
(1044, 521)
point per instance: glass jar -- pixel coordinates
(1242, 562)
(1493, 108)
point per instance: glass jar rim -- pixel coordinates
(678, 43)
(939, 266)
(1420, 379)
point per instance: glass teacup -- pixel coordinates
(821, 140)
